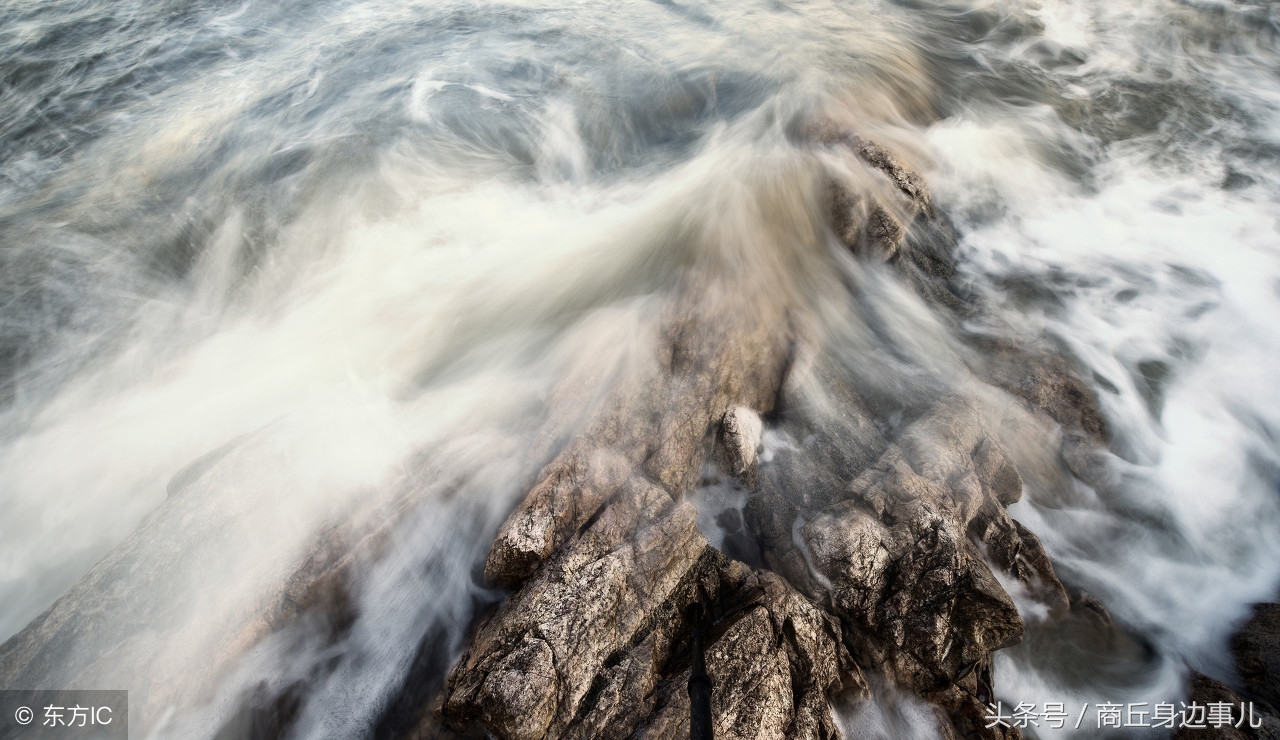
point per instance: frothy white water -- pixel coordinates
(329, 246)
(336, 355)
(888, 716)
(1158, 270)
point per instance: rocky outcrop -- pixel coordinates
(877, 548)
(899, 224)
(906, 559)
(596, 645)
(899, 578)
(529, 669)
(884, 551)
(893, 220)
(776, 663)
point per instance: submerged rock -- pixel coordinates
(895, 221)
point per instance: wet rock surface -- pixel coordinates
(896, 579)
(879, 553)
(596, 645)
(907, 560)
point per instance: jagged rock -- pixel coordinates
(916, 579)
(905, 180)
(896, 223)
(906, 559)
(845, 209)
(877, 228)
(531, 665)
(886, 232)
(571, 489)
(872, 226)
(916, 585)
(587, 647)
(885, 543)
(773, 669)
(964, 705)
(880, 539)
(1256, 649)
(626, 695)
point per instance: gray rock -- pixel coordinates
(903, 555)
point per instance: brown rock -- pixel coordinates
(1046, 382)
(585, 649)
(773, 667)
(906, 559)
(534, 661)
(571, 489)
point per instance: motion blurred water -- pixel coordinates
(320, 247)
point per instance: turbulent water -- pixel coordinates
(289, 258)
